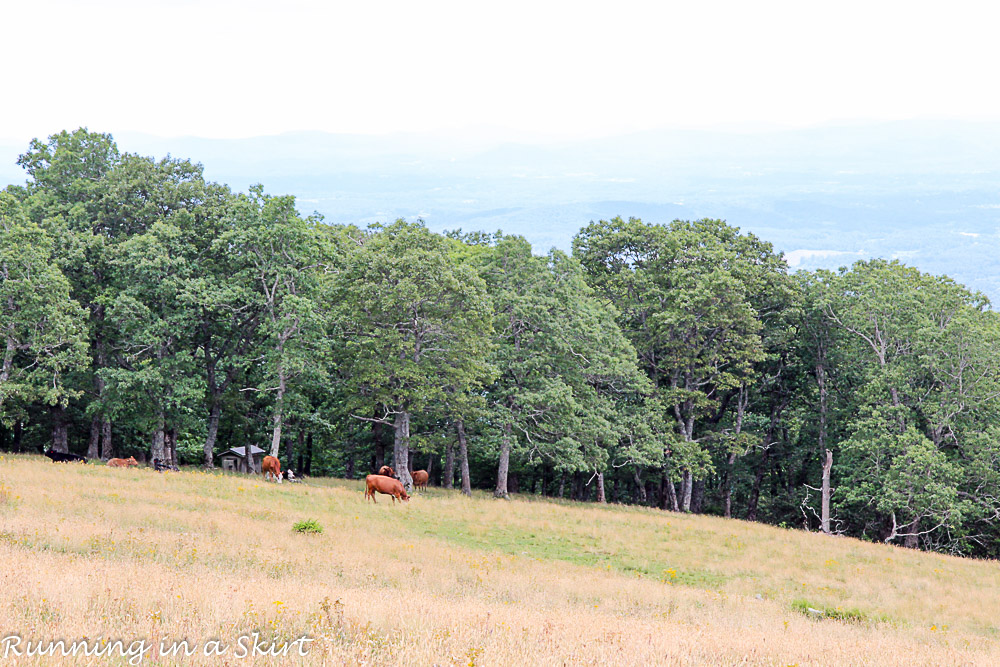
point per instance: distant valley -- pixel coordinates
(923, 192)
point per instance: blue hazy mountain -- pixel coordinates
(923, 191)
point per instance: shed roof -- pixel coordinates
(241, 451)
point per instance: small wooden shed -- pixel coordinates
(234, 459)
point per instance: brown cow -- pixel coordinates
(123, 463)
(271, 467)
(387, 472)
(387, 485)
(420, 479)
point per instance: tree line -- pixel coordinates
(149, 312)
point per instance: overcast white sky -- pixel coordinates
(215, 68)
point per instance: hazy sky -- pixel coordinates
(229, 69)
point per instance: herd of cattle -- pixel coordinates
(385, 482)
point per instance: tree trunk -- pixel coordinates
(103, 445)
(430, 465)
(668, 494)
(463, 458)
(686, 485)
(8, 362)
(504, 465)
(672, 495)
(107, 448)
(172, 447)
(214, 396)
(664, 481)
(60, 431)
(912, 540)
(401, 449)
(755, 489)
(307, 468)
(697, 496)
(379, 446)
(762, 468)
(601, 498)
(562, 485)
(349, 456)
(727, 484)
(639, 496)
(821, 383)
(157, 449)
(18, 435)
(825, 507)
(448, 477)
(95, 438)
(214, 415)
(743, 398)
(300, 438)
(276, 420)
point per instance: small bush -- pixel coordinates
(307, 526)
(849, 615)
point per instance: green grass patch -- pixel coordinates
(843, 614)
(572, 545)
(307, 526)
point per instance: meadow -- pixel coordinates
(99, 554)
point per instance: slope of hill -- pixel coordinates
(92, 552)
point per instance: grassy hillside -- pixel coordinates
(130, 554)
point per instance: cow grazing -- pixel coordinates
(65, 457)
(387, 472)
(420, 478)
(387, 485)
(123, 463)
(289, 475)
(159, 465)
(271, 467)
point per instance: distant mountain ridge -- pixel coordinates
(922, 191)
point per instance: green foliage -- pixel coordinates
(687, 296)
(926, 379)
(843, 614)
(307, 526)
(42, 327)
(417, 326)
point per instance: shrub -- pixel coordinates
(307, 526)
(849, 615)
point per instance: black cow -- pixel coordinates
(64, 457)
(159, 465)
(289, 474)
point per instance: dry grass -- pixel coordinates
(130, 554)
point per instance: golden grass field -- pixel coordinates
(92, 552)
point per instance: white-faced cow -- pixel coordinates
(271, 467)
